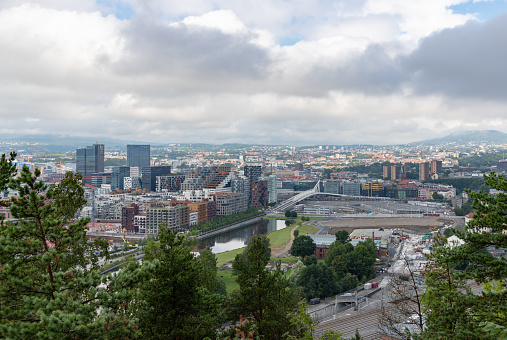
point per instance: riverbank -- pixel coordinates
(229, 228)
(280, 240)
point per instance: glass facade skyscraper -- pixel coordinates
(90, 160)
(138, 155)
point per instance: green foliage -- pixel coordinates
(7, 170)
(296, 271)
(437, 196)
(342, 236)
(348, 282)
(462, 184)
(465, 209)
(291, 214)
(357, 336)
(303, 246)
(263, 295)
(486, 160)
(345, 259)
(449, 232)
(175, 302)
(115, 162)
(296, 233)
(50, 286)
(451, 308)
(497, 331)
(317, 280)
(302, 324)
(309, 260)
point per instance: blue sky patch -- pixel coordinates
(485, 9)
(122, 10)
(288, 41)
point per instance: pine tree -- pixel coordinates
(265, 296)
(50, 286)
(452, 308)
(178, 301)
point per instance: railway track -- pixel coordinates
(364, 323)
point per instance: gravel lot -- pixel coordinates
(421, 225)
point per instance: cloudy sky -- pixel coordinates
(253, 71)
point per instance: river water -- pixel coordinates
(238, 238)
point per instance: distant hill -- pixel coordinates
(463, 137)
(62, 143)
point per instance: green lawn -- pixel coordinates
(284, 259)
(281, 237)
(307, 229)
(317, 217)
(229, 280)
(228, 255)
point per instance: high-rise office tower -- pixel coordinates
(138, 155)
(90, 160)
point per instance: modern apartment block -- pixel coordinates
(272, 187)
(424, 171)
(90, 160)
(259, 194)
(214, 177)
(176, 218)
(127, 217)
(140, 223)
(169, 183)
(242, 185)
(228, 203)
(435, 167)
(253, 172)
(395, 173)
(386, 171)
(138, 155)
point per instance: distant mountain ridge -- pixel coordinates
(473, 136)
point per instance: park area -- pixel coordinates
(280, 240)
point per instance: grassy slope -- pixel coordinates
(307, 229)
(281, 237)
(229, 280)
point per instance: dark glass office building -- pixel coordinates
(149, 175)
(119, 174)
(138, 155)
(90, 160)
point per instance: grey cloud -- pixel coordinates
(199, 54)
(373, 72)
(467, 61)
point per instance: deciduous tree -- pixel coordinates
(303, 245)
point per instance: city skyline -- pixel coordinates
(347, 72)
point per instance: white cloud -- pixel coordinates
(361, 72)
